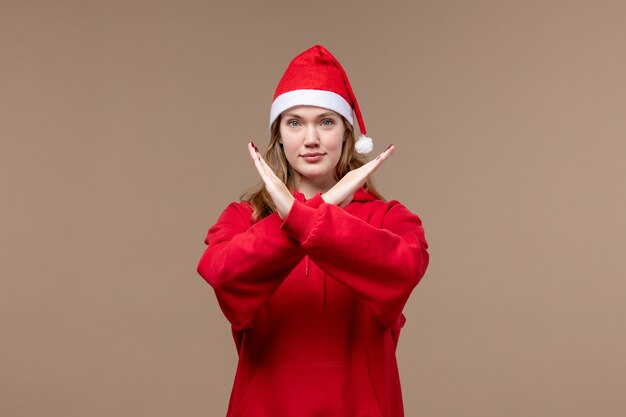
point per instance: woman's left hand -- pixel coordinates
(282, 197)
(341, 193)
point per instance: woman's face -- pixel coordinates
(312, 138)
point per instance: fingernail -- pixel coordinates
(254, 146)
(388, 147)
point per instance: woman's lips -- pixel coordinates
(313, 157)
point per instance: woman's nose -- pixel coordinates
(311, 137)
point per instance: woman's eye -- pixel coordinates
(327, 122)
(293, 123)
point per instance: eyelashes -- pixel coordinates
(325, 122)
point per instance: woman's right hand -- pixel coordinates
(283, 199)
(341, 193)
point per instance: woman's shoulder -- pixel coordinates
(375, 202)
(386, 210)
(241, 209)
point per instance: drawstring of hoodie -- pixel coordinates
(324, 305)
(306, 274)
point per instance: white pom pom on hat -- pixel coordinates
(316, 78)
(364, 145)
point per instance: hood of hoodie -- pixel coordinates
(360, 195)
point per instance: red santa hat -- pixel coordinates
(316, 78)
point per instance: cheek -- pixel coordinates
(291, 151)
(288, 144)
(335, 145)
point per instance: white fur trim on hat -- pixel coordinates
(319, 98)
(364, 145)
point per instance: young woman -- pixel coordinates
(313, 270)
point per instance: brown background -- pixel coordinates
(123, 128)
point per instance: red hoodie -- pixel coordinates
(315, 304)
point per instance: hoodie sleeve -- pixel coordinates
(380, 265)
(245, 263)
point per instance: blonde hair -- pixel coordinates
(260, 199)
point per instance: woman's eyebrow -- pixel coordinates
(300, 117)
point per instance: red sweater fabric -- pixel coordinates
(315, 304)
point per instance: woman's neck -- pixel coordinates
(311, 186)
